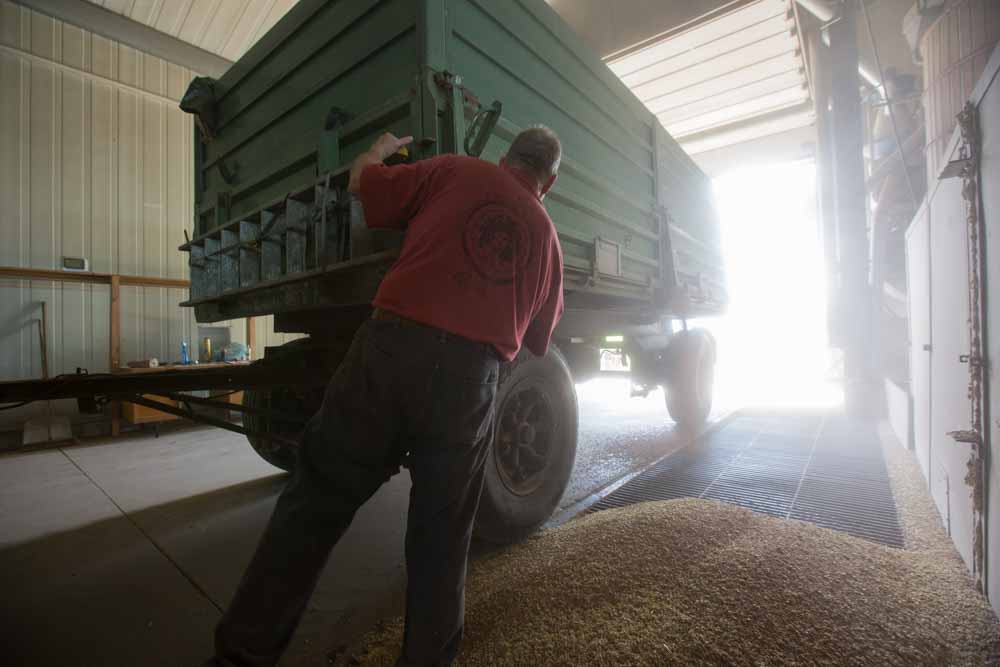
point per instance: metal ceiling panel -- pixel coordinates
(740, 60)
(721, 75)
(736, 133)
(226, 28)
(117, 6)
(693, 108)
(725, 83)
(742, 111)
(773, 29)
(144, 10)
(669, 44)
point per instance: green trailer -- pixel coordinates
(276, 233)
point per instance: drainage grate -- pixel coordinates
(827, 470)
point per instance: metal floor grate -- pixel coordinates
(827, 470)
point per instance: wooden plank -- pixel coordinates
(25, 273)
(43, 334)
(48, 274)
(114, 353)
(153, 281)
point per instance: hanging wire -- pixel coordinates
(889, 102)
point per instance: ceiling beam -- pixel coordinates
(824, 10)
(754, 128)
(139, 36)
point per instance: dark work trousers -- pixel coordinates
(404, 393)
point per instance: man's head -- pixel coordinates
(536, 152)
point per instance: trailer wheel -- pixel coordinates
(304, 401)
(278, 453)
(533, 450)
(690, 378)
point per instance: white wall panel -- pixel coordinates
(95, 162)
(937, 263)
(950, 378)
(940, 384)
(918, 277)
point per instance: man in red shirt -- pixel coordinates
(480, 273)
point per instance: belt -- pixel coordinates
(389, 316)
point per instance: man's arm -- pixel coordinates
(385, 146)
(539, 332)
(392, 196)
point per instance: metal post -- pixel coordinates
(115, 347)
(820, 60)
(851, 211)
(43, 339)
(251, 338)
(114, 329)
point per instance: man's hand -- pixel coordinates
(388, 144)
(385, 146)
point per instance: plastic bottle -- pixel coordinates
(185, 357)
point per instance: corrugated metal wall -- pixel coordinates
(949, 403)
(955, 50)
(918, 278)
(95, 162)
(938, 271)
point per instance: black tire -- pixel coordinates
(302, 401)
(277, 453)
(535, 418)
(690, 377)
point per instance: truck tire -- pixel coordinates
(690, 377)
(533, 449)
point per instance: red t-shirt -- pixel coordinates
(481, 257)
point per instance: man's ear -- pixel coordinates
(548, 184)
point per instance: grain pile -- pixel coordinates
(693, 582)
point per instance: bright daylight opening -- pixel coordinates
(772, 341)
(773, 346)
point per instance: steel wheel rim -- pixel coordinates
(525, 437)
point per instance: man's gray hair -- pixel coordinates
(536, 150)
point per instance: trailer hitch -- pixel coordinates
(187, 413)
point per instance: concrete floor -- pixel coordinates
(125, 552)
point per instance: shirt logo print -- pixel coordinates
(496, 243)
